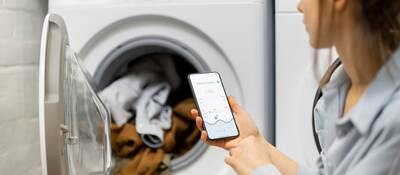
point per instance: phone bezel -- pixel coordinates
(198, 108)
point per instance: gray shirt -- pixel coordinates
(367, 139)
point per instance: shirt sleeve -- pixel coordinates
(382, 155)
(395, 168)
(272, 170)
(267, 170)
(303, 170)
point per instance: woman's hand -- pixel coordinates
(243, 120)
(251, 153)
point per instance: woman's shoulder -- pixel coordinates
(389, 118)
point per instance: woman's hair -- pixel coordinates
(381, 22)
(381, 19)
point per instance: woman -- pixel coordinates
(358, 117)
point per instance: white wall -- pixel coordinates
(20, 30)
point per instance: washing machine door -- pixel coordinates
(74, 124)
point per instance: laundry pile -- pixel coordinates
(145, 129)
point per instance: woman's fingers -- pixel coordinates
(199, 123)
(223, 143)
(194, 113)
(203, 136)
(198, 119)
(231, 161)
(231, 144)
(218, 143)
(232, 151)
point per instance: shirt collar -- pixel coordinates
(377, 95)
(338, 79)
(375, 98)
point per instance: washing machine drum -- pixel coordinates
(140, 57)
(74, 124)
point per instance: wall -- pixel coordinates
(20, 31)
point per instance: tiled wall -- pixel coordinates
(20, 31)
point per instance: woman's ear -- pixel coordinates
(300, 7)
(340, 5)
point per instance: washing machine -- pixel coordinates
(86, 43)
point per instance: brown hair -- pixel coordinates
(381, 21)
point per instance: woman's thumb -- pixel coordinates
(234, 105)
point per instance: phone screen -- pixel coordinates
(213, 105)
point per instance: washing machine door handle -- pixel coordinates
(74, 124)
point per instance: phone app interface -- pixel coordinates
(214, 106)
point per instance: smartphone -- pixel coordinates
(213, 106)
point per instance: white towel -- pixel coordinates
(144, 90)
(152, 115)
(122, 93)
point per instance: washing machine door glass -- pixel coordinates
(74, 124)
